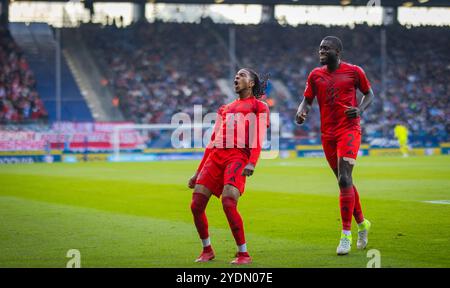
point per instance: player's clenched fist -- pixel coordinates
(352, 112)
(248, 170)
(300, 117)
(192, 180)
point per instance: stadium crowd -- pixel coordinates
(416, 79)
(19, 99)
(156, 75)
(159, 69)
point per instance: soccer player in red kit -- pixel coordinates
(229, 158)
(334, 85)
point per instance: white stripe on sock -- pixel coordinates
(347, 233)
(242, 248)
(206, 242)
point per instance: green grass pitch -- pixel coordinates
(138, 215)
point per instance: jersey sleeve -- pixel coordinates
(262, 123)
(309, 88)
(362, 82)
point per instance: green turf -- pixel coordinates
(137, 214)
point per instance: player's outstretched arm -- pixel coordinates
(353, 112)
(303, 110)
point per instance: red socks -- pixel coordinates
(357, 212)
(207, 249)
(234, 219)
(347, 204)
(198, 206)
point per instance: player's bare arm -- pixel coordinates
(303, 110)
(354, 112)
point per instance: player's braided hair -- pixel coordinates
(260, 86)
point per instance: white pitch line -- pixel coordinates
(438, 202)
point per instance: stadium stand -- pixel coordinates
(19, 99)
(161, 68)
(156, 75)
(37, 42)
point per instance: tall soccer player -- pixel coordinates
(334, 84)
(229, 158)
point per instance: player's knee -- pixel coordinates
(228, 203)
(198, 188)
(230, 191)
(196, 208)
(345, 181)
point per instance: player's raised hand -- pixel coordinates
(352, 112)
(192, 180)
(300, 117)
(248, 170)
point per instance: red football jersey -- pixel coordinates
(335, 92)
(241, 124)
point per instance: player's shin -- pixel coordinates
(357, 211)
(347, 205)
(235, 222)
(198, 206)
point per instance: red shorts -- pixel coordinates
(223, 166)
(345, 145)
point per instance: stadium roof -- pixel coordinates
(391, 3)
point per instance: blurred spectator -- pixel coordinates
(161, 69)
(19, 100)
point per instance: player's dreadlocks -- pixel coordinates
(260, 86)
